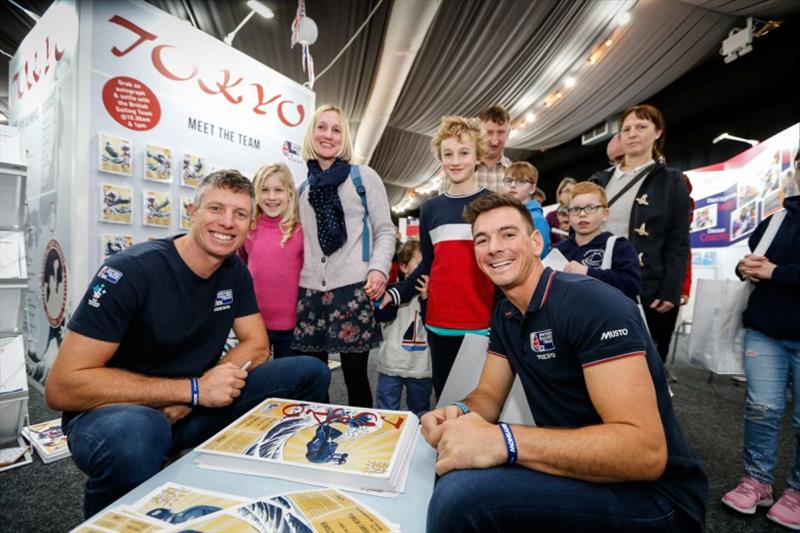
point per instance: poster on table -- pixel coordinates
(42, 91)
(185, 100)
(731, 198)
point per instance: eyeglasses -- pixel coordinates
(513, 182)
(588, 209)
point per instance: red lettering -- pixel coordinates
(127, 24)
(397, 423)
(35, 70)
(19, 86)
(158, 62)
(261, 102)
(300, 111)
(223, 87)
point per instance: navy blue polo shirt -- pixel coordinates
(168, 321)
(574, 322)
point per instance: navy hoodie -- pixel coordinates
(774, 305)
(625, 272)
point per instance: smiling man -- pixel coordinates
(139, 373)
(608, 453)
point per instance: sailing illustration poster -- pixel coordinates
(324, 510)
(320, 443)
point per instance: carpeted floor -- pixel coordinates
(42, 498)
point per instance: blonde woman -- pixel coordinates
(349, 244)
(273, 252)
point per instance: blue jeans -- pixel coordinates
(390, 389)
(514, 498)
(768, 363)
(121, 446)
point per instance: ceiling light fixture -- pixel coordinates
(255, 7)
(569, 82)
(623, 18)
(728, 137)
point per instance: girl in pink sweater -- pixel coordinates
(273, 252)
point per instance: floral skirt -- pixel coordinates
(336, 321)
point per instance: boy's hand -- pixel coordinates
(422, 286)
(576, 268)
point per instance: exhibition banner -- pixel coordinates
(170, 104)
(42, 89)
(118, 128)
(731, 198)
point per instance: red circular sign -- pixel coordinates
(131, 103)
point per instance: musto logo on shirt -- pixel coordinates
(542, 342)
(223, 300)
(611, 334)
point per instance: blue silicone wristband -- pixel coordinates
(462, 406)
(195, 391)
(511, 442)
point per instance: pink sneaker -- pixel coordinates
(786, 511)
(748, 495)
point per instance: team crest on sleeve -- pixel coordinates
(98, 290)
(542, 341)
(223, 300)
(109, 274)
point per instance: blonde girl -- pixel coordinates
(273, 252)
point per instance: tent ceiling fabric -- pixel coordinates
(477, 52)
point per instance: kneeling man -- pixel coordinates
(139, 373)
(607, 453)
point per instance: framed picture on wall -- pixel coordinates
(158, 164)
(116, 204)
(157, 209)
(193, 170)
(112, 244)
(114, 154)
(186, 219)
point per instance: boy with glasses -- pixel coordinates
(588, 247)
(520, 184)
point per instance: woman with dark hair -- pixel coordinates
(651, 209)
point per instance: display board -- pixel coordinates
(161, 104)
(731, 198)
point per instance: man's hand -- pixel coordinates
(422, 286)
(576, 268)
(175, 412)
(662, 306)
(470, 442)
(375, 285)
(432, 423)
(221, 384)
(756, 267)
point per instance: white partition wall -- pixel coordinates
(123, 108)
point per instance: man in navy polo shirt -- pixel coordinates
(607, 453)
(139, 373)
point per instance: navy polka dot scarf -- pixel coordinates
(324, 198)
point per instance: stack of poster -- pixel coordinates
(48, 440)
(172, 507)
(332, 445)
(13, 403)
